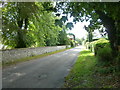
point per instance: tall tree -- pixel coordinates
(105, 12)
(16, 17)
(27, 24)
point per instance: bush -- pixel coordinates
(102, 50)
(104, 54)
(98, 46)
(101, 43)
(93, 46)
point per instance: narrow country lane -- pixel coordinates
(47, 72)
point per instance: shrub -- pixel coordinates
(101, 43)
(93, 46)
(102, 50)
(104, 54)
(98, 46)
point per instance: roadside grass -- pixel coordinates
(81, 74)
(5, 64)
(87, 73)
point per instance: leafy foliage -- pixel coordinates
(29, 24)
(69, 25)
(96, 45)
(62, 38)
(105, 13)
(104, 54)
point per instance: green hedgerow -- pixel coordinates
(104, 54)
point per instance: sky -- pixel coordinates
(78, 30)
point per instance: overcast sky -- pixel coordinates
(79, 30)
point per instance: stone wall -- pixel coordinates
(13, 54)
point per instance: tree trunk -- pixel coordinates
(20, 41)
(109, 23)
(90, 36)
(26, 23)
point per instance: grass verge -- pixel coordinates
(80, 75)
(87, 73)
(5, 64)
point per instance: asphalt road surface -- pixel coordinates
(46, 72)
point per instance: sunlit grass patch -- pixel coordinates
(88, 72)
(81, 74)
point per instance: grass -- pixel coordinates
(81, 74)
(88, 73)
(5, 64)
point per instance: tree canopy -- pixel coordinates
(98, 13)
(27, 24)
(30, 24)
